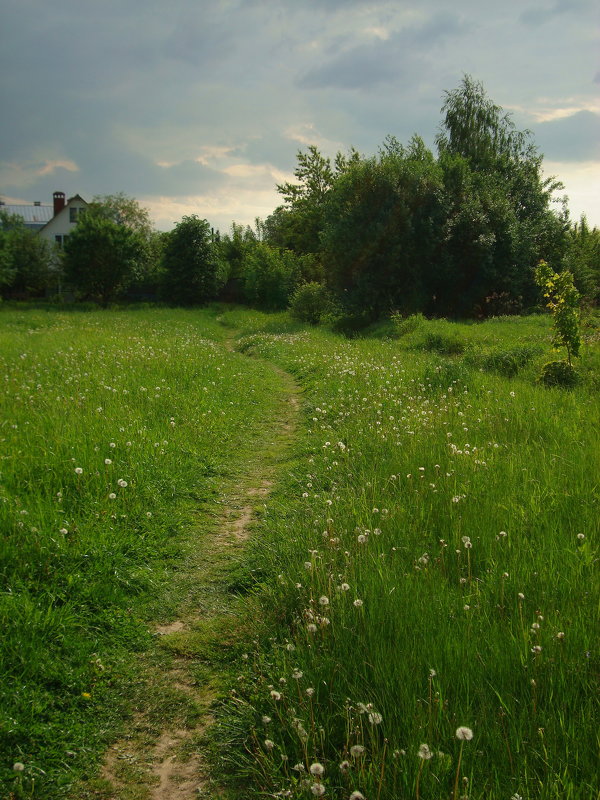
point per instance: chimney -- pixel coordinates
(37, 202)
(59, 202)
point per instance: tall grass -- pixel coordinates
(116, 427)
(433, 566)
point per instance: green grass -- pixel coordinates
(433, 560)
(116, 428)
(428, 561)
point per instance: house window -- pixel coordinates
(58, 239)
(73, 214)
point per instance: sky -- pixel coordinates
(198, 107)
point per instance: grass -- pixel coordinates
(428, 561)
(117, 428)
(433, 564)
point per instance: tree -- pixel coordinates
(193, 272)
(25, 259)
(101, 257)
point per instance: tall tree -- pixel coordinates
(26, 264)
(192, 269)
(101, 257)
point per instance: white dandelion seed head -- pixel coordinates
(560, 635)
(112, 496)
(18, 766)
(344, 766)
(275, 695)
(108, 461)
(345, 587)
(356, 750)
(310, 691)
(375, 718)
(357, 603)
(357, 796)
(269, 744)
(424, 752)
(323, 600)
(266, 720)
(317, 769)
(317, 789)
(78, 471)
(464, 734)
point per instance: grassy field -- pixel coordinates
(428, 565)
(116, 428)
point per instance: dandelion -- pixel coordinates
(112, 496)
(108, 461)
(310, 691)
(581, 536)
(536, 649)
(269, 744)
(317, 789)
(311, 627)
(323, 601)
(375, 718)
(344, 767)
(464, 734)
(64, 531)
(345, 587)
(275, 695)
(560, 635)
(521, 596)
(18, 766)
(361, 538)
(297, 674)
(78, 471)
(317, 769)
(356, 750)
(424, 752)
(266, 720)
(357, 796)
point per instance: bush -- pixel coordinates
(559, 374)
(405, 325)
(310, 302)
(506, 362)
(449, 344)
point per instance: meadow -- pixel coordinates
(425, 569)
(432, 571)
(116, 428)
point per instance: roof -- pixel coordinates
(31, 214)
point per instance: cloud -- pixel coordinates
(386, 60)
(572, 138)
(539, 15)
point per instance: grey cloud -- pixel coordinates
(539, 15)
(368, 65)
(574, 138)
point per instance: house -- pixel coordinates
(52, 222)
(64, 219)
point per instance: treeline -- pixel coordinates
(452, 233)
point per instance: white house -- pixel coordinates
(64, 219)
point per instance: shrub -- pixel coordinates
(405, 325)
(507, 362)
(310, 302)
(449, 344)
(559, 374)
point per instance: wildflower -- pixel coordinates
(424, 752)
(297, 674)
(266, 720)
(64, 531)
(18, 766)
(317, 789)
(112, 496)
(112, 444)
(375, 718)
(299, 767)
(269, 744)
(464, 734)
(344, 587)
(78, 471)
(357, 603)
(323, 601)
(275, 695)
(560, 635)
(344, 766)
(536, 649)
(521, 596)
(311, 627)
(122, 483)
(107, 461)
(361, 538)
(356, 750)
(581, 536)
(86, 695)
(310, 691)
(317, 769)
(357, 796)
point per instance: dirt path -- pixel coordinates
(161, 758)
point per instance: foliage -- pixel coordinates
(101, 257)
(26, 264)
(271, 275)
(193, 272)
(559, 373)
(563, 301)
(125, 210)
(310, 302)
(404, 325)
(582, 258)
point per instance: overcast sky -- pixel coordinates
(198, 107)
